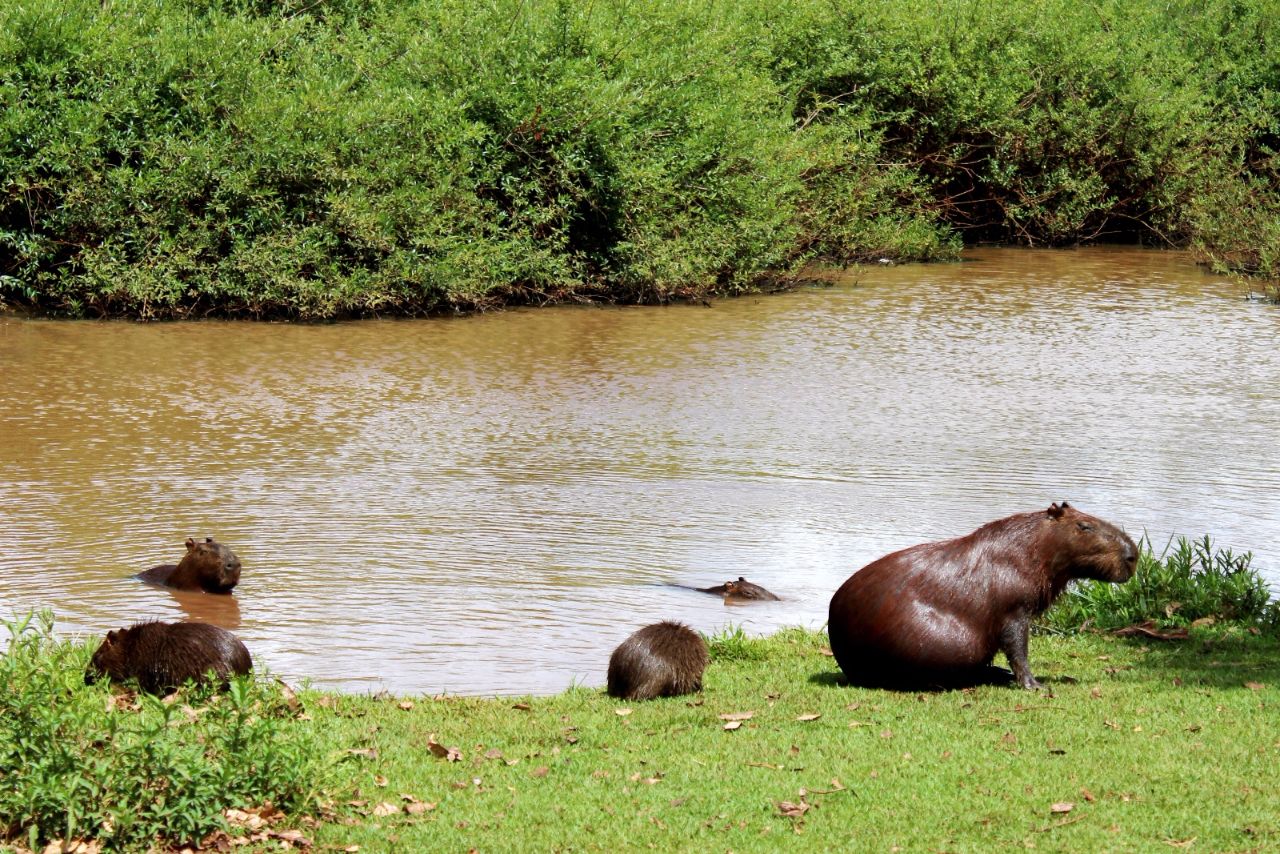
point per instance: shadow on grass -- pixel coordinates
(1218, 661)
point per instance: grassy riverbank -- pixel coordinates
(350, 157)
(1166, 736)
(1136, 745)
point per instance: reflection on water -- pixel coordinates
(491, 504)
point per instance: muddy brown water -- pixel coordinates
(488, 505)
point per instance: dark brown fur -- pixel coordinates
(661, 660)
(936, 614)
(162, 656)
(209, 566)
(740, 589)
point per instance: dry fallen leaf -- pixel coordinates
(452, 754)
(380, 781)
(406, 706)
(1254, 686)
(811, 716)
(364, 752)
(622, 713)
(524, 707)
(731, 725)
(385, 809)
(540, 771)
(737, 716)
(1088, 795)
(791, 810)
(1062, 807)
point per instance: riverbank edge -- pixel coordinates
(776, 747)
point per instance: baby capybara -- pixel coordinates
(661, 660)
(209, 566)
(936, 614)
(740, 589)
(163, 656)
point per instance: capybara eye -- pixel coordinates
(1085, 526)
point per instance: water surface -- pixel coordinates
(490, 504)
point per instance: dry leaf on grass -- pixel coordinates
(737, 716)
(452, 754)
(791, 810)
(811, 716)
(1062, 807)
(732, 725)
(385, 809)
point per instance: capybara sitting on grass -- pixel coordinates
(740, 589)
(661, 660)
(163, 656)
(935, 614)
(209, 566)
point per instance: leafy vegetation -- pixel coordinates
(1191, 581)
(77, 761)
(352, 157)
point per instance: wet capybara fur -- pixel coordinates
(662, 660)
(934, 615)
(740, 589)
(209, 566)
(163, 656)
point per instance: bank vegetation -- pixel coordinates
(329, 158)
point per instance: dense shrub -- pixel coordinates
(74, 764)
(1191, 581)
(321, 159)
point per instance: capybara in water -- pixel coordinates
(740, 589)
(661, 660)
(209, 566)
(936, 614)
(162, 656)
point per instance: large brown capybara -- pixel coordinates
(934, 615)
(662, 660)
(163, 656)
(740, 589)
(209, 566)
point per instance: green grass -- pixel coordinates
(1152, 744)
(314, 160)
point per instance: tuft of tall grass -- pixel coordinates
(76, 762)
(1190, 580)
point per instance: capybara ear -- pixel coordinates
(1055, 511)
(112, 636)
(191, 544)
(208, 539)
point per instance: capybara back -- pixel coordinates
(661, 660)
(163, 656)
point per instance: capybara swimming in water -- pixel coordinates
(162, 656)
(661, 660)
(209, 566)
(740, 589)
(936, 614)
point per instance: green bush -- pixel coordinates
(352, 157)
(1189, 582)
(75, 764)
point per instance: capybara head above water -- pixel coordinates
(662, 660)
(163, 656)
(209, 566)
(740, 589)
(937, 613)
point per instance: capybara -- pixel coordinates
(740, 589)
(661, 660)
(934, 615)
(162, 656)
(209, 566)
